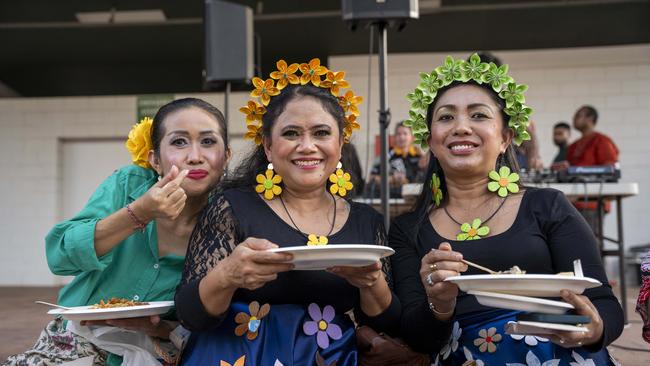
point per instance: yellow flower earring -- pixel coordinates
(341, 184)
(268, 183)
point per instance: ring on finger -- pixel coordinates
(433, 267)
(561, 340)
(430, 279)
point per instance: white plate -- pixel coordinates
(79, 313)
(314, 257)
(523, 303)
(538, 285)
(524, 328)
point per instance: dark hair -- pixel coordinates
(158, 128)
(562, 124)
(255, 162)
(508, 159)
(400, 124)
(590, 112)
(489, 57)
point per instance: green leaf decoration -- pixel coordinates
(474, 69)
(513, 93)
(419, 100)
(450, 71)
(430, 83)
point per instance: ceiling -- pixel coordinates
(45, 51)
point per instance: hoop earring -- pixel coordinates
(268, 183)
(340, 180)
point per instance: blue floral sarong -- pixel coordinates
(275, 335)
(479, 339)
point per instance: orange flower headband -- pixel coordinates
(312, 72)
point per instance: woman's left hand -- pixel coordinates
(150, 325)
(360, 277)
(594, 333)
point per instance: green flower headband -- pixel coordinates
(464, 71)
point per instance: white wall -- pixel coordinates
(616, 80)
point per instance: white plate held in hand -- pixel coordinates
(523, 303)
(538, 285)
(315, 257)
(78, 313)
(525, 328)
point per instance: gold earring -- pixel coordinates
(340, 181)
(268, 183)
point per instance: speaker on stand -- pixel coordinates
(381, 14)
(229, 48)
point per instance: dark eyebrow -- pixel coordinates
(453, 107)
(296, 127)
(184, 132)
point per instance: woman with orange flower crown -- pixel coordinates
(470, 114)
(130, 239)
(243, 303)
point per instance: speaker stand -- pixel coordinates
(384, 121)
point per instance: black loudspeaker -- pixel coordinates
(369, 10)
(228, 43)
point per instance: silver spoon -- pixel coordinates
(53, 305)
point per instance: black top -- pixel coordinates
(561, 154)
(238, 214)
(547, 235)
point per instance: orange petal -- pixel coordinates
(277, 75)
(282, 83)
(334, 188)
(264, 311)
(334, 90)
(292, 68)
(333, 178)
(251, 336)
(266, 99)
(245, 110)
(304, 79)
(343, 84)
(269, 174)
(258, 83)
(293, 79)
(315, 79)
(281, 65)
(321, 70)
(259, 188)
(314, 63)
(268, 194)
(242, 318)
(260, 179)
(276, 190)
(253, 308)
(241, 329)
(304, 68)
(268, 84)
(256, 93)
(240, 361)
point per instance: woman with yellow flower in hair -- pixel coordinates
(470, 114)
(129, 241)
(243, 303)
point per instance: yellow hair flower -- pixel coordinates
(286, 74)
(341, 182)
(264, 89)
(253, 111)
(334, 81)
(349, 102)
(316, 239)
(139, 142)
(268, 184)
(312, 72)
(350, 125)
(254, 133)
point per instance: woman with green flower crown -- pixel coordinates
(469, 114)
(129, 241)
(242, 302)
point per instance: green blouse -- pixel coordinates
(132, 269)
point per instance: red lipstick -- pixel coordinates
(197, 174)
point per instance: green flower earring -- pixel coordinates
(436, 196)
(503, 182)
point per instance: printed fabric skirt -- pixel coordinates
(277, 335)
(479, 339)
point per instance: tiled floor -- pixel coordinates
(21, 321)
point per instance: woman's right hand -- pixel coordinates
(165, 199)
(251, 266)
(437, 265)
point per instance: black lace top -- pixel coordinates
(238, 214)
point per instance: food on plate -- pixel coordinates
(513, 270)
(116, 303)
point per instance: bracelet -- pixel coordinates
(433, 309)
(139, 225)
